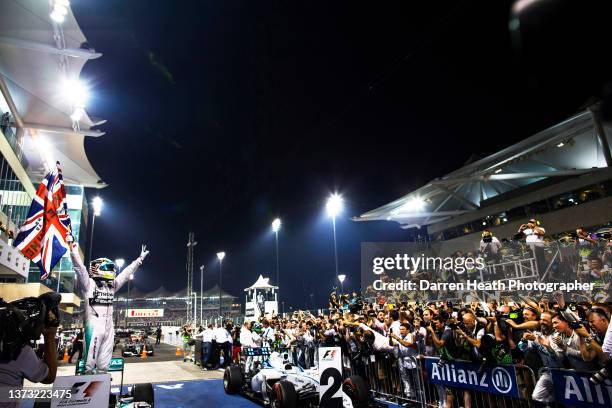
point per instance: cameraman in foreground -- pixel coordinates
(21, 322)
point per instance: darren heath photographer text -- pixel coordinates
(510, 285)
(410, 264)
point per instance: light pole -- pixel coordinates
(341, 278)
(334, 207)
(276, 224)
(201, 290)
(195, 307)
(220, 255)
(97, 207)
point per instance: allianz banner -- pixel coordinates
(460, 374)
(573, 388)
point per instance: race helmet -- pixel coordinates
(102, 268)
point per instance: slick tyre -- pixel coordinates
(143, 393)
(232, 380)
(357, 389)
(285, 395)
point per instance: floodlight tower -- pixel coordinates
(189, 266)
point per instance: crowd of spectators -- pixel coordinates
(537, 331)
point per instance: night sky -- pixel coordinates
(225, 114)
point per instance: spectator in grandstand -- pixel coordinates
(532, 231)
(490, 246)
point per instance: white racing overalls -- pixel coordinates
(98, 296)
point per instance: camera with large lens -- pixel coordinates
(22, 321)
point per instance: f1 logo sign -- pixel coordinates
(329, 354)
(330, 389)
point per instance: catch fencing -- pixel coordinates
(427, 382)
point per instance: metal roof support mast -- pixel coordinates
(601, 133)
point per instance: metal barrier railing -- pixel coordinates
(425, 382)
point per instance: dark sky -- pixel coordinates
(225, 114)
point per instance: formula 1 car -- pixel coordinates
(271, 378)
(134, 346)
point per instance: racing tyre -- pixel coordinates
(143, 393)
(357, 389)
(285, 394)
(232, 380)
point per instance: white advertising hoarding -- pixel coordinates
(145, 313)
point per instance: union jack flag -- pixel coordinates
(42, 237)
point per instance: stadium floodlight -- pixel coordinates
(120, 262)
(341, 278)
(77, 114)
(97, 206)
(334, 205)
(131, 276)
(220, 255)
(415, 204)
(59, 10)
(276, 224)
(76, 93)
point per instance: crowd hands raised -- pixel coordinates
(536, 332)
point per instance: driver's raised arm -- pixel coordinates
(80, 270)
(130, 269)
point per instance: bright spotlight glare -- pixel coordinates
(220, 255)
(76, 93)
(334, 205)
(120, 262)
(276, 225)
(57, 16)
(77, 114)
(341, 278)
(97, 206)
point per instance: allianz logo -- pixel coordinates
(584, 391)
(500, 378)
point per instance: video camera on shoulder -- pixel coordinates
(23, 321)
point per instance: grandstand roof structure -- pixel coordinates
(578, 146)
(39, 60)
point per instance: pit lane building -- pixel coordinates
(42, 120)
(562, 176)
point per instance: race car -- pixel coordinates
(271, 378)
(133, 346)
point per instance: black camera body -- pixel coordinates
(22, 321)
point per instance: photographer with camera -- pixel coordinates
(22, 322)
(490, 246)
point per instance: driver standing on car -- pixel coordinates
(98, 286)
